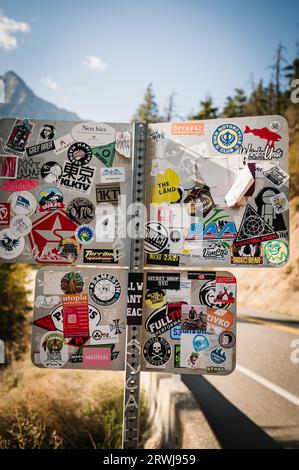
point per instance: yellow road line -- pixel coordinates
(289, 329)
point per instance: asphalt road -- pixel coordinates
(257, 406)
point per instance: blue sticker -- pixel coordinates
(200, 343)
(218, 356)
(175, 332)
(227, 138)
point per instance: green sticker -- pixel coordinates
(105, 153)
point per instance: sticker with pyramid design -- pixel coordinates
(254, 229)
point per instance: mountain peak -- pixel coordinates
(21, 101)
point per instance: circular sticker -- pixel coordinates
(81, 210)
(227, 138)
(156, 237)
(157, 351)
(50, 199)
(227, 339)
(20, 226)
(10, 246)
(155, 298)
(79, 153)
(51, 172)
(22, 203)
(94, 133)
(85, 234)
(72, 283)
(69, 248)
(276, 252)
(105, 289)
(53, 350)
(93, 313)
(218, 356)
(200, 343)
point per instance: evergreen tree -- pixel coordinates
(235, 106)
(147, 111)
(207, 110)
(258, 102)
(169, 109)
(277, 68)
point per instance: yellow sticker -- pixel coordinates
(166, 187)
(155, 299)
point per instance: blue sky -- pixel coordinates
(97, 57)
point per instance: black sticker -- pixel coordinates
(79, 153)
(95, 256)
(81, 210)
(201, 276)
(164, 318)
(163, 259)
(51, 172)
(163, 281)
(157, 351)
(40, 148)
(134, 299)
(254, 229)
(107, 193)
(155, 238)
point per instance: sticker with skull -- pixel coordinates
(157, 351)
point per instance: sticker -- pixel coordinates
(123, 144)
(163, 280)
(18, 137)
(78, 341)
(81, 210)
(134, 299)
(156, 135)
(94, 133)
(254, 229)
(10, 246)
(75, 315)
(164, 318)
(280, 203)
(184, 292)
(105, 289)
(157, 351)
(104, 335)
(276, 252)
(50, 199)
(40, 148)
(219, 319)
(216, 251)
(214, 228)
(51, 172)
(8, 166)
(28, 169)
(46, 301)
(155, 298)
(194, 350)
(63, 143)
(117, 327)
(48, 232)
(227, 339)
(227, 138)
(177, 355)
(79, 153)
(69, 249)
(176, 240)
(54, 321)
(47, 132)
(194, 317)
(72, 283)
(175, 332)
(188, 128)
(20, 226)
(112, 175)
(77, 178)
(264, 133)
(95, 256)
(218, 356)
(108, 194)
(163, 258)
(247, 254)
(4, 213)
(53, 350)
(95, 358)
(105, 154)
(22, 203)
(266, 210)
(166, 187)
(18, 185)
(225, 289)
(156, 237)
(199, 200)
(85, 234)
(276, 176)
(207, 295)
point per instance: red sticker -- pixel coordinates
(75, 315)
(8, 166)
(96, 358)
(46, 323)
(18, 185)
(4, 213)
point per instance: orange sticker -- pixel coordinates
(187, 128)
(220, 317)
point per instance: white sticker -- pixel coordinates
(112, 175)
(103, 334)
(53, 350)
(47, 301)
(20, 226)
(10, 246)
(184, 293)
(22, 203)
(276, 176)
(63, 143)
(52, 282)
(280, 203)
(94, 133)
(123, 144)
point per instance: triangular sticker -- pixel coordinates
(46, 323)
(254, 229)
(105, 153)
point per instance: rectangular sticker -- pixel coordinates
(95, 256)
(164, 259)
(40, 148)
(19, 136)
(63, 143)
(201, 276)
(225, 289)
(276, 176)
(75, 315)
(95, 358)
(194, 317)
(184, 292)
(163, 281)
(112, 175)
(134, 299)
(4, 213)
(107, 193)
(77, 178)
(8, 166)
(187, 128)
